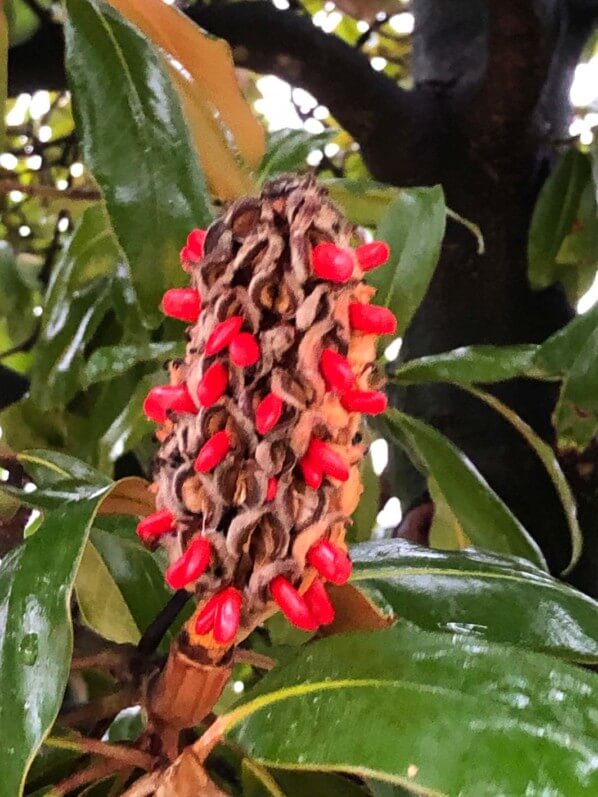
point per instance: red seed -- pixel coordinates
(344, 567)
(162, 398)
(186, 256)
(318, 603)
(330, 562)
(212, 385)
(223, 333)
(190, 566)
(155, 525)
(244, 350)
(182, 303)
(371, 402)
(292, 605)
(272, 489)
(336, 370)
(330, 262)
(311, 473)
(227, 616)
(195, 242)
(268, 413)
(326, 459)
(212, 452)
(205, 619)
(370, 318)
(372, 255)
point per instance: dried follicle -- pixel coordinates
(258, 469)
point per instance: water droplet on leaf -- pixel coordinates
(28, 649)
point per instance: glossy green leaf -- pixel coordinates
(25, 425)
(364, 202)
(558, 353)
(128, 725)
(51, 764)
(483, 516)
(471, 364)
(576, 414)
(109, 362)
(149, 174)
(17, 296)
(551, 463)
(77, 299)
(554, 215)
(497, 598)
(413, 226)
(555, 355)
(364, 517)
(23, 22)
(577, 257)
(36, 581)
(58, 478)
(48, 468)
(133, 569)
(131, 425)
(422, 699)
(102, 606)
(288, 149)
(445, 532)
(53, 496)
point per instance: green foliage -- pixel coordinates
(576, 414)
(118, 83)
(413, 227)
(288, 149)
(557, 357)
(479, 594)
(485, 519)
(471, 364)
(36, 634)
(480, 656)
(77, 299)
(563, 236)
(434, 696)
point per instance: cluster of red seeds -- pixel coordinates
(221, 613)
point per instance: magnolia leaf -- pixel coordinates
(209, 63)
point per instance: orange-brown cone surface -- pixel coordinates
(282, 371)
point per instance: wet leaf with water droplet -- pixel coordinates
(436, 713)
(490, 596)
(36, 582)
(28, 649)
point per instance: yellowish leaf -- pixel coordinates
(101, 603)
(211, 80)
(129, 496)
(226, 178)
(446, 533)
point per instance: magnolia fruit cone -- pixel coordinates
(263, 461)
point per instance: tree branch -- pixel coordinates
(394, 128)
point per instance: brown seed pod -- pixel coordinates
(258, 469)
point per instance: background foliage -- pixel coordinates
(454, 655)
